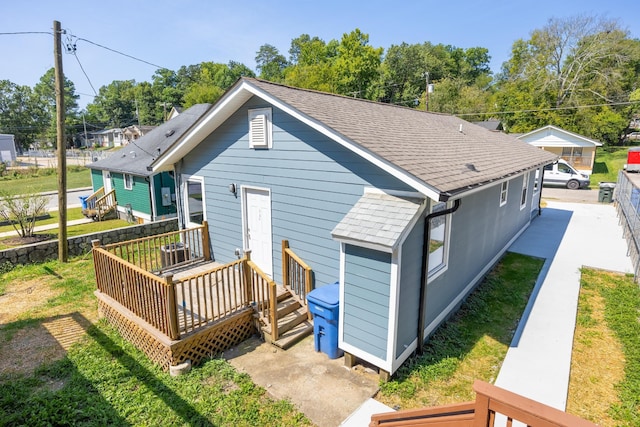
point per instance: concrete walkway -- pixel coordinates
(569, 236)
(48, 227)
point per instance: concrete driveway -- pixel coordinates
(585, 195)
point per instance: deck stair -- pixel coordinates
(100, 205)
(293, 320)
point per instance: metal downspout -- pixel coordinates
(425, 268)
(540, 197)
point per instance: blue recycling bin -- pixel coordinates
(83, 202)
(324, 304)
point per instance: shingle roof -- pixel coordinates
(137, 155)
(446, 152)
(377, 218)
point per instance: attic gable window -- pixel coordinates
(260, 128)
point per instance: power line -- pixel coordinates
(26, 32)
(71, 49)
(120, 53)
(535, 110)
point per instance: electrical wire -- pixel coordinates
(535, 110)
(120, 53)
(75, 54)
(26, 32)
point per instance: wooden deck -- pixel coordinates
(195, 308)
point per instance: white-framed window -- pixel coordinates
(438, 240)
(536, 182)
(260, 128)
(194, 201)
(525, 188)
(128, 181)
(504, 190)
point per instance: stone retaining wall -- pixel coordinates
(80, 245)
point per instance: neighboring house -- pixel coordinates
(357, 188)
(146, 195)
(174, 112)
(7, 148)
(579, 151)
(108, 137)
(134, 132)
(492, 124)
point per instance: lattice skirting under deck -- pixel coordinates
(197, 346)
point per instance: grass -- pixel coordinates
(609, 161)
(44, 179)
(470, 345)
(72, 214)
(605, 372)
(73, 230)
(104, 380)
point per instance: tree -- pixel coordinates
(311, 64)
(22, 211)
(270, 63)
(21, 114)
(211, 80)
(569, 63)
(115, 104)
(44, 92)
(357, 64)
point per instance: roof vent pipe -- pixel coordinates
(460, 128)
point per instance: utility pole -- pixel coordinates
(426, 99)
(63, 249)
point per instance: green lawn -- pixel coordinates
(471, 345)
(45, 180)
(52, 218)
(102, 379)
(609, 161)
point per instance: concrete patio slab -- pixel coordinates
(323, 389)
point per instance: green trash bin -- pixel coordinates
(605, 195)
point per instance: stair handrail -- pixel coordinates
(302, 283)
(258, 282)
(108, 201)
(91, 200)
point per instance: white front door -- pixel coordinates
(106, 181)
(257, 227)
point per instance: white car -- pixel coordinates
(562, 174)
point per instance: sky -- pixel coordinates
(174, 33)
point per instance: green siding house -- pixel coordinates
(141, 194)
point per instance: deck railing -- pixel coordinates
(148, 296)
(206, 297)
(125, 272)
(105, 204)
(627, 197)
(493, 406)
(92, 199)
(297, 276)
(163, 251)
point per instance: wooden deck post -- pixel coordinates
(285, 263)
(206, 250)
(172, 309)
(273, 307)
(307, 289)
(246, 272)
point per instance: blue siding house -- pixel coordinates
(406, 209)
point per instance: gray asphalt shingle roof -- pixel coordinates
(446, 152)
(136, 156)
(377, 218)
